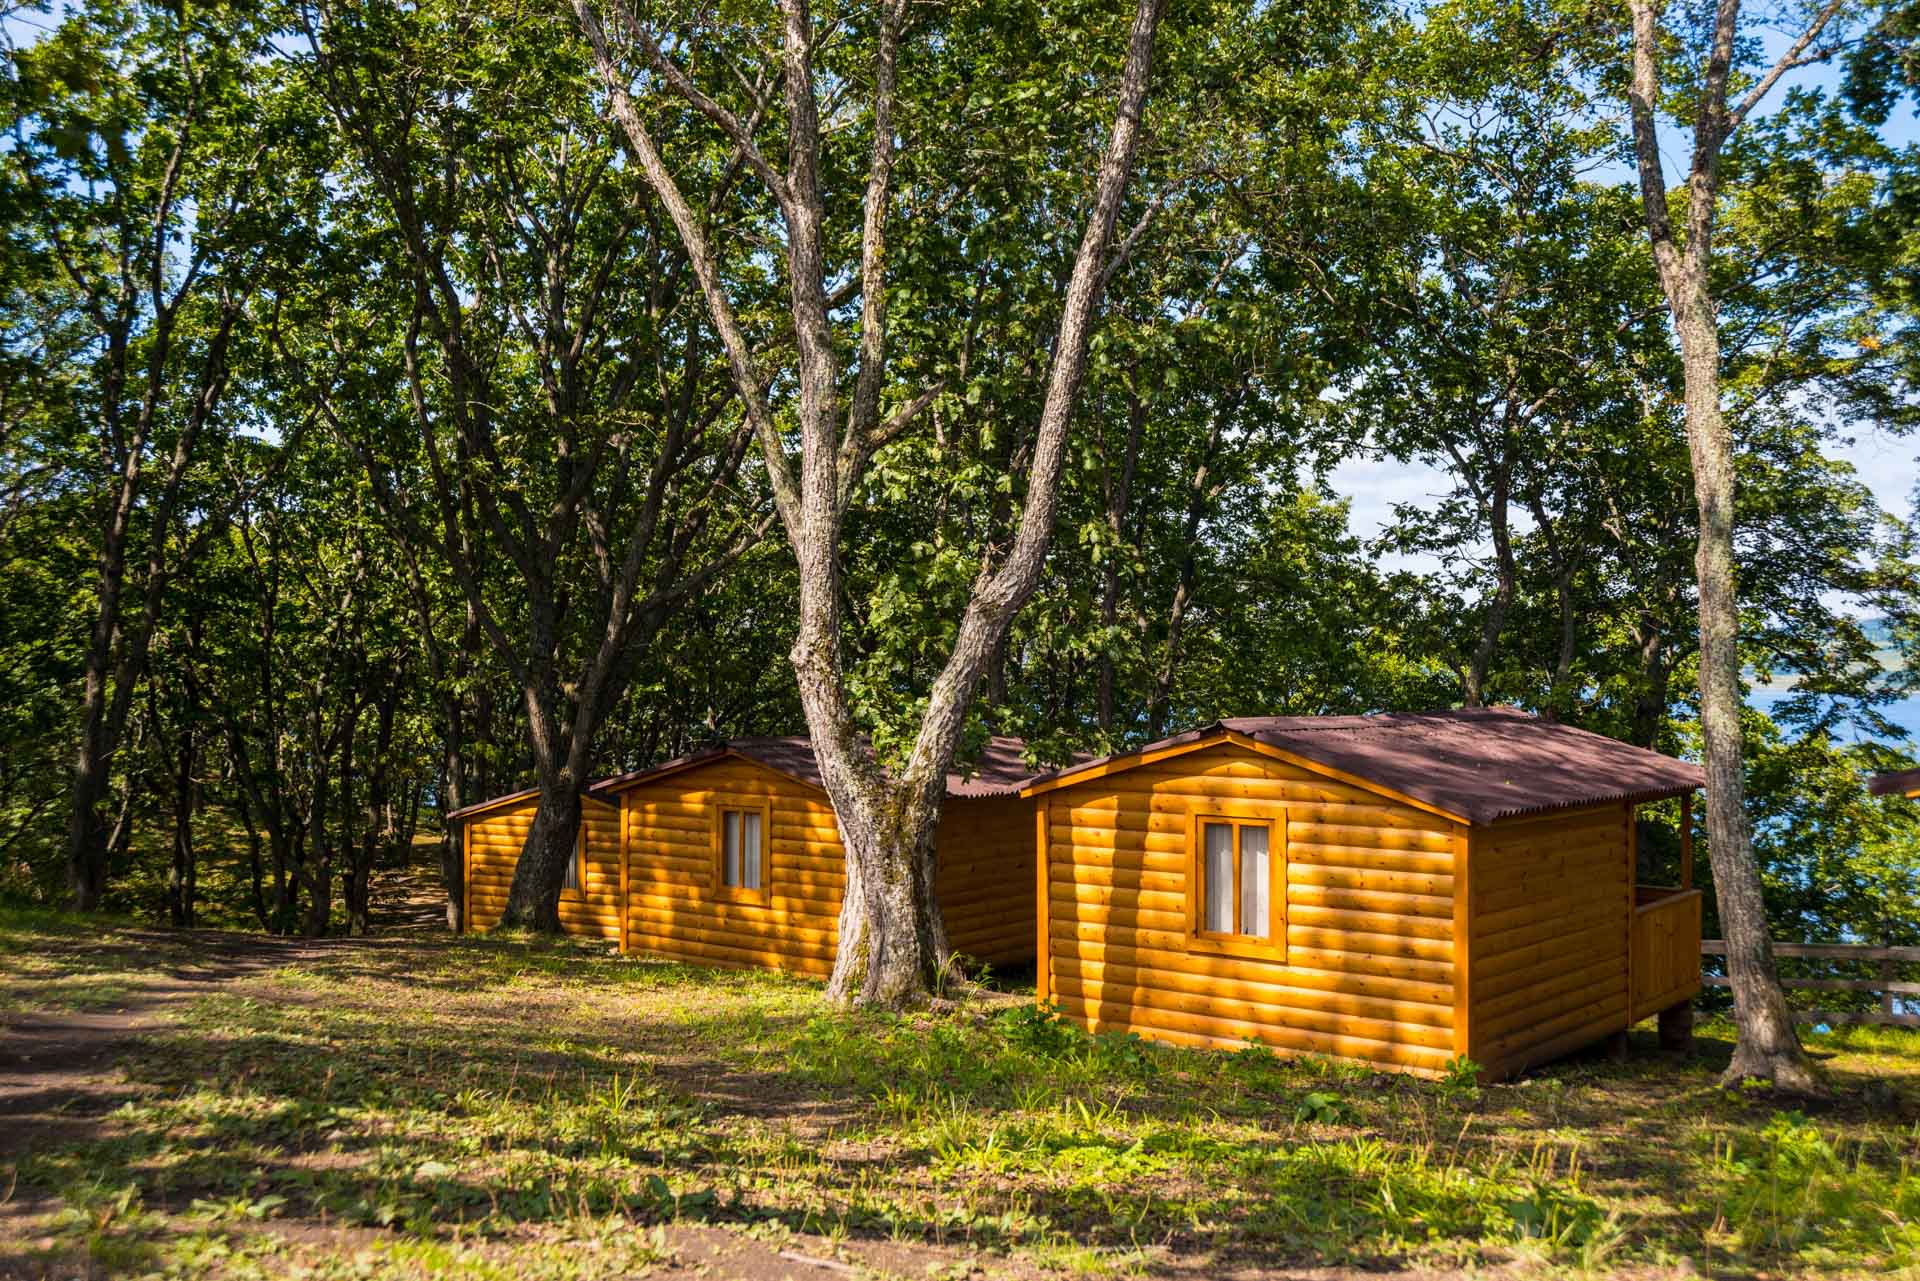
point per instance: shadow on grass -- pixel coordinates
(418, 1084)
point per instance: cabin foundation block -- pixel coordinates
(1676, 1029)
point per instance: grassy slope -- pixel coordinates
(488, 1106)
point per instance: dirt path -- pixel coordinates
(57, 1075)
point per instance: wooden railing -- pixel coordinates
(1885, 960)
(1665, 961)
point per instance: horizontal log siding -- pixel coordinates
(1551, 901)
(1368, 968)
(493, 843)
(985, 878)
(672, 909)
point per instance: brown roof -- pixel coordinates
(495, 802)
(1899, 782)
(1480, 765)
(1001, 769)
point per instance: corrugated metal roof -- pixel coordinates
(1001, 769)
(1480, 765)
(1899, 782)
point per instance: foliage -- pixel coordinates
(1355, 235)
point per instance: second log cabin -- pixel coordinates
(1403, 889)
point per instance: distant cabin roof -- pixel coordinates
(1479, 765)
(1001, 769)
(1899, 782)
(511, 798)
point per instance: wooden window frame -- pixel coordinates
(1238, 815)
(717, 875)
(579, 890)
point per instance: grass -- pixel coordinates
(527, 1109)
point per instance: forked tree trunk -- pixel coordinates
(891, 933)
(891, 946)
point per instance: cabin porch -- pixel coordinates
(1663, 959)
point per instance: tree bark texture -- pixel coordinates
(891, 947)
(1767, 1047)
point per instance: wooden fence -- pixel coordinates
(1885, 960)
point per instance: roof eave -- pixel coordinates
(667, 769)
(1621, 798)
(511, 798)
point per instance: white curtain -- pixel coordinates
(1218, 875)
(751, 861)
(1254, 881)
(730, 848)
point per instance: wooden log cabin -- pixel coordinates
(732, 856)
(1402, 889)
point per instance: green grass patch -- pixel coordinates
(525, 1107)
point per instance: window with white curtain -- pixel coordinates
(1236, 878)
(742, 849)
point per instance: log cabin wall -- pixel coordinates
(1551, 908)
(493, 841)
(985, 877)
(672, 909)
(1361, 964)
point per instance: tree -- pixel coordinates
(565, 408)
(1768, 1047)
(137, 141)
(891, 944)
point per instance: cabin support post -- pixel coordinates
(466, 876)
(1676, 1028)
(626, 908)
(1043, 950)
(1686, 841)
(1617, 1046)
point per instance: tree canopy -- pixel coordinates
(382, 430)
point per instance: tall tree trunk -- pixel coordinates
(1202, 490)
(552, 841)
(533, 898)
(1768, 1047)
(1493, 617)
(255, 869)
(1119, 501)
(453, 796)
(182, 877)
(379, 827)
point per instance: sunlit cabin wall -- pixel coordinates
(1551, 910)
(493, 840)
(1366, 967)
(985, 878)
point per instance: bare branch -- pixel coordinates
(705, 269)
(736, 129)
(1792, 58)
